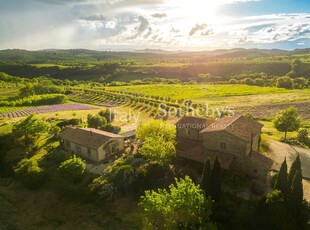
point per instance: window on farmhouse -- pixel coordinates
(223, 145)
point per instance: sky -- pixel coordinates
(154, 24)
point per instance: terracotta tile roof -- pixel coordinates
(87, 137)
(193, 150)
(238, 125)
(199, 123)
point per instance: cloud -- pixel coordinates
(243, 39)
(94, 18)
(159, 15)
(207, 32)
(144, 25)
(148, 23)
(105, 2)
(174, 30)
(281, 32)
(196, 28)
(94, 29)
(203, 28)
(60, 1)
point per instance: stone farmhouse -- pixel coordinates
(234, 140)
(91, 144)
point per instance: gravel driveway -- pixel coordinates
(278, 151)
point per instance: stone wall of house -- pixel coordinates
(188, 133)
(234, 145)
(82, 151)
(255, 144)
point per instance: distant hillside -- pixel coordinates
(106, 66)
(83, 55)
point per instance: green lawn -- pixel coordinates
(225, 95)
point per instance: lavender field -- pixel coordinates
(46, 109)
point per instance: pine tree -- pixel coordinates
(281, 182)
(296, 188)
(216, 180)
(206, 178)
(296, 165)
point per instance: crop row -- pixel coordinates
(102, 96)
(135, 100)
(46, 109)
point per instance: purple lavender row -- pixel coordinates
(46, 109)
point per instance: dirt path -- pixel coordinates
(278, 151)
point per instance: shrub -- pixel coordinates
(183, 206)
(112, 129)
(57, 156)
(303, 135)
(259, 82)
(72, 122)
(72, 169)
(29, 173)
(264, 146)
(55, 130)
(248, 81)
(96, 121)
(300, 83)
(233, 81)
(284, 82)
(108, 115)
(48, 99)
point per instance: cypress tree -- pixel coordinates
(296, 188)
(206, 178)
(281, 182)
(216, 180)
(296, 165)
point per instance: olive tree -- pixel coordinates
(287, 121)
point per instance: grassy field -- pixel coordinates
(46, 65)
(179, 91)
(226, 95)
(262, 102)
(270, 132)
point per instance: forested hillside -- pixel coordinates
(107, 67)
